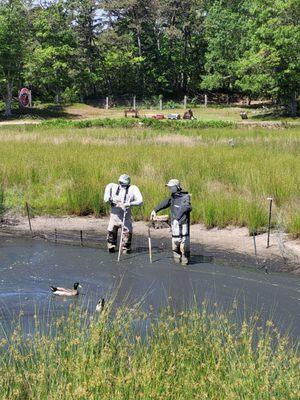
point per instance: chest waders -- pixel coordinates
(180, 224)
(119, 218)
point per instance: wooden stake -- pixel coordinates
(184, 102)
(254, 244)
(150, 245)
(28, 215)
(270, 217)
(160, 105)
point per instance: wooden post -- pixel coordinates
(185, 102)
(106, 104)
(134, 102)
(205, 100)
(254, 245)
(55, 236)
(150, 245)
(81, 239)
(28, 215)
(270, 217)
(160, 105)
(30, 98)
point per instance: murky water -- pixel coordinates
(29, 267)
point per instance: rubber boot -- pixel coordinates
(176, 257)
(112, 237)
(185, 254)
(126, 243)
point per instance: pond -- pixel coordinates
(28, 267)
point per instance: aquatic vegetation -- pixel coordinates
(230, 172)
(185, 355)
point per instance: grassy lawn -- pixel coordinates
(84, 111)
(190, 355)
(230, 172)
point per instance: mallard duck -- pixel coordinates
(100, 305)
(60, 291)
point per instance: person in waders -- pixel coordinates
(121, 196)
(180, 203)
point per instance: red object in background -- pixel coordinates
(24, 97)
(158, 116)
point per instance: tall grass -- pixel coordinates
(230, 172)
(189, 355)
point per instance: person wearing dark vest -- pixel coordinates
(121, 196)
(180, 204)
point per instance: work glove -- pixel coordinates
(153, 214)
(126, 205)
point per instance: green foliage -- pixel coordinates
(63, 169)
(188, 355)
(13, 33)
(147, 122)
(73, 50)
(51, 57)
(271, 65)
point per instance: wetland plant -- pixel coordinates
(184, 355)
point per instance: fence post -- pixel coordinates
(160, 105)
(205, 100)
(30, 98)
(270, 217)
(28, 215)
(106, 104)
(134, 102)
(184, 102)
(55, 236)
(254, 245)
(81, 238)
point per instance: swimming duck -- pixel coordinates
(100, 305)
(60, 291)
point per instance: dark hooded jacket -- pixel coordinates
(180, 204)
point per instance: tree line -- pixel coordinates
(78, 49)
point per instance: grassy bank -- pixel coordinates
(229, 171)
(190, 355)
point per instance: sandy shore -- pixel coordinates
(231, 244)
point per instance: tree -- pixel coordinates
(13, 32)
(226, 36)
(51, 62)
(87, 25)
(271, 66)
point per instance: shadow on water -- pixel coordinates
(200, 259)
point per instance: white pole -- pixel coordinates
(134, 102)
(122, 233)
(106, 105)
(205, 100)
(160, 105)
(150, 245)
(30, 98)
(184, 102)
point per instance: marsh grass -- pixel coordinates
(186, 355)
(230, 172)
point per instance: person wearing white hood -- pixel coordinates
(121, 196)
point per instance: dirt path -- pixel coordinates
(232, 244)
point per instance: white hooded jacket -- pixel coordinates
(118, 196)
